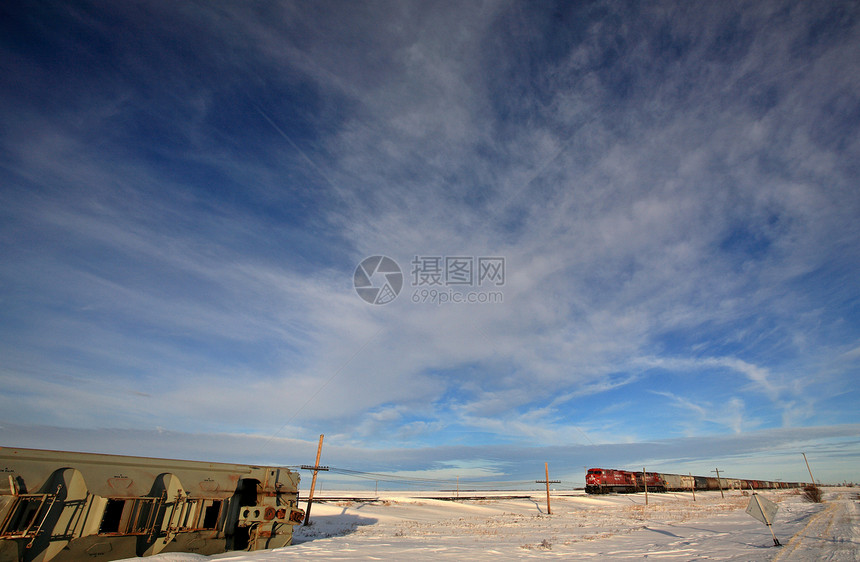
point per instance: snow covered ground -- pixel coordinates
(411, 526)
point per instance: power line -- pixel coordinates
(418, 480)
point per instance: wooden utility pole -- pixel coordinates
(547, 482)
(693, 486)
(645, 483)
(809, 469)
(316, 468)
(719, 484)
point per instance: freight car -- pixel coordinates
(603, 481)
(63, 507)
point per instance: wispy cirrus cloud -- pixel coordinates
(672, 190)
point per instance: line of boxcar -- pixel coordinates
(604, 481)
(60, 507)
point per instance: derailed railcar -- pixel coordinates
(63, 507)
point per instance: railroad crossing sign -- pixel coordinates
(764, 510)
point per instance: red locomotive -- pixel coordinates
(601, 481)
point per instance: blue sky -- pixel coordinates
(186, 191)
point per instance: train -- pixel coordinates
(605, 481)
(62, 507)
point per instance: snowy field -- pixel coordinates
(412, 526)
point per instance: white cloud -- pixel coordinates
(664, 204)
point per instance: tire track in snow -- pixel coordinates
(830, 534)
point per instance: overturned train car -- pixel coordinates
(604, 481)
(59, 506)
